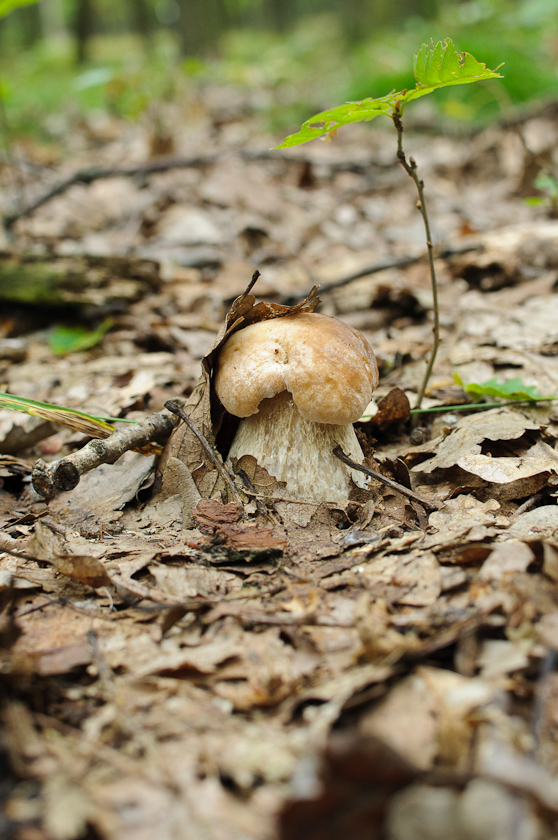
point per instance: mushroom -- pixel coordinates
(299, 382)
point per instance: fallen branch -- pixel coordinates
(87, 176)
(394, 485)
(390, 262)
(50, 478)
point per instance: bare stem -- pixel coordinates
(410, 168)
(210, 452)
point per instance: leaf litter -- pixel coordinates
(176, 664)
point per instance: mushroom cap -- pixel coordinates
(328, 368)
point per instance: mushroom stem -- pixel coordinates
(299, 451)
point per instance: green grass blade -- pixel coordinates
(89, 424)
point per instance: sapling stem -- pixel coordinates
(410, 168)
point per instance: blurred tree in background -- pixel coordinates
(119, 56)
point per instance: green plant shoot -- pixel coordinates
(435, 66)
(513, 389)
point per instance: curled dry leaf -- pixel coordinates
(263, 483)
(393, 408)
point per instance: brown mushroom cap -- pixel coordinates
(327, 367)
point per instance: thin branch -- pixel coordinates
(394, 485)
(410, 168)
(211, 454)
(49, 478)
(252, 283)
(87, 176)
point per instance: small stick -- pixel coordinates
(87, 176)
(49, 478)
(252, 283)
(179, 411)
(338, 452)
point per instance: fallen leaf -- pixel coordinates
(506, 558)
(465, 439)
(393, 408)
(48, 547)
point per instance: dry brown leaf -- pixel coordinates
(420, 578)
(536, 524)
(211, 514)
(463, 516)
(506, 558)
(49, 547)
(221, 521)
(393, 408)
(465, 439)
(264, 484)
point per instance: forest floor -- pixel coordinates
(380, 668)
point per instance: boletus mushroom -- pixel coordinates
(298, 382)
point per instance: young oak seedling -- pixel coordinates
(435, 66)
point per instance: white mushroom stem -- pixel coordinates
(299, 451)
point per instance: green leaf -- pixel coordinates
(327, 122)
(513, 389)
(440, 65)
(7, 6)
(64, 340)
(535, 201)
(435, 66)
(97, 427)
(546, 183)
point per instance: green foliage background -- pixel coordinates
(297, 57)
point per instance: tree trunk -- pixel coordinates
(143, 21)
(53, 21)
(83, 29)
(201, 24)
(280, 14)
(31, 25)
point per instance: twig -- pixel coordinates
(383, 265)
(542, 696)
(179, 411)
(252, 283)
(87, 176)
(49, 478)
(338, 452)
(410, 168)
